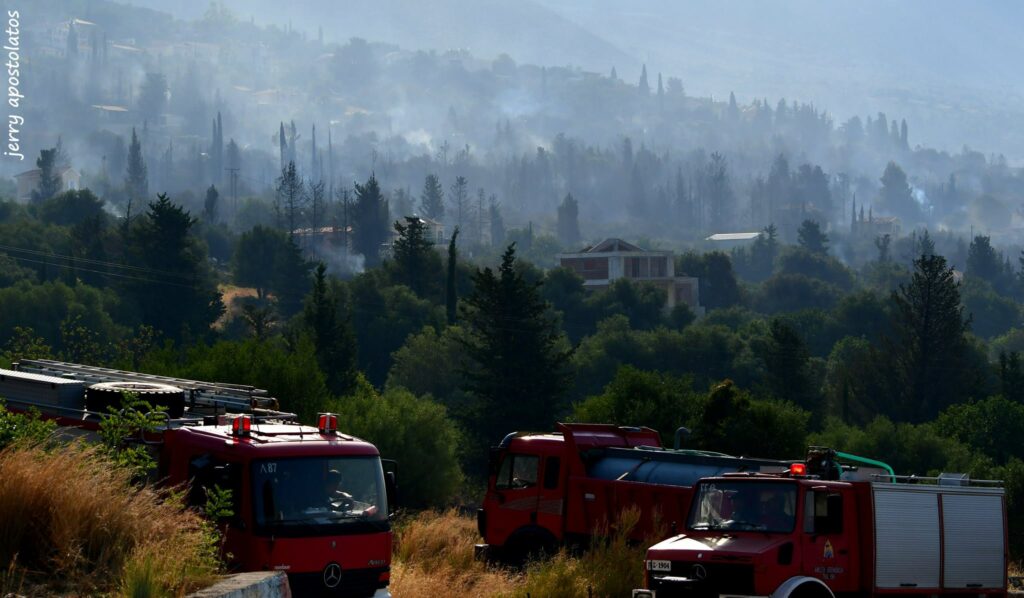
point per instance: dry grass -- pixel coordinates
(69, 516)
(231, 295)
(434, 557)
(613, 566)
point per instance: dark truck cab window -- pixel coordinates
(517, 471)
(319, 495)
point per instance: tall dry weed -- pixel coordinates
(434, 557)
(71, 513)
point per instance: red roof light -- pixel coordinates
(798, 469)
(327, 423)
(241, 426)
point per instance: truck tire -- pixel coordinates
(528, 544)
(99, 397)
(803, 587)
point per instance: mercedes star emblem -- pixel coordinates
(332, 575)
(699, 572)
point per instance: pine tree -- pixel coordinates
(926, 247)
(210, 204)
(718, 193)
(497, 223)
(786, 365)
(812, 238)
(136, 182)
(432, 198)
(289, 198)
(927, 349)
(568, 222)
(882, 242)
(71, 51)
(282, 146)
(451, 298)
(217, 151)
(461, 207)
(333, 337)
(370, 220)
(153, 97)
(185, 295)
(645, 89)
(983, 261)
(412, 255)
(519, 364)
(49, 177)
(317, 204)
(896, 197)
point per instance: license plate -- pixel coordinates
(659, 565)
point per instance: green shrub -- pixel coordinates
(414, 431)
(23, 427)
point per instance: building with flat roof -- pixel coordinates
(726, 241)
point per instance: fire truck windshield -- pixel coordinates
(744, 506)
(331, 494)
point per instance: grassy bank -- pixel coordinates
(73, 523)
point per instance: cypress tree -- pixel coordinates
(136, 182)
(49, 178)
(451, 298)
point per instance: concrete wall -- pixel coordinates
(259, 584)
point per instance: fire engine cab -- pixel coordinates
(310, 501)
(547, 489)
(825, 529)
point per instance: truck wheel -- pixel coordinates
(811, 590)
(529, 545)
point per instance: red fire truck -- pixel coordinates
(547, 489)
(824, 530)
(309, 501)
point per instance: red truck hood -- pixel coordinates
(719, 547)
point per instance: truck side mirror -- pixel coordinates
(391, 489)
(493, 460)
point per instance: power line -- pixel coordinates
(95, 262)
(102, 272)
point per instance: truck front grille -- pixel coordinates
(718, 578)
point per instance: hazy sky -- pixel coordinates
(950, 68)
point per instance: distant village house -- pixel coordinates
(613, 259)
(28, 182)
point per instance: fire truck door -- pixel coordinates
(518, 494)
(550, 507)
(826, 547)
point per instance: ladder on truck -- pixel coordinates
(204, 399)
